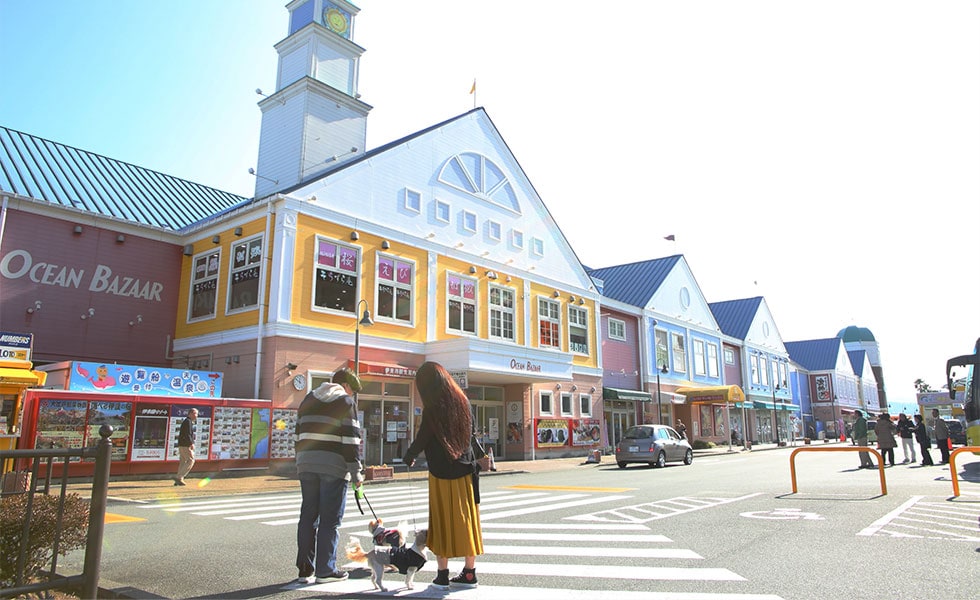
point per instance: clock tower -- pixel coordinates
(315, 118)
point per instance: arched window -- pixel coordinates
(478, 175)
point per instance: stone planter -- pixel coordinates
(375, 473)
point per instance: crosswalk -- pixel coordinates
(569, 553)
(922, 517)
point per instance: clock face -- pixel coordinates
(336, 19)
(299, 382)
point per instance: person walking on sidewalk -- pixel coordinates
(445, 436)
(905, 429)
(922, 436)
(859, 433)
(186, 439)
(681, 429)
(942, 436)
(885, 431)
(328, 456)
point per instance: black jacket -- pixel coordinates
(441, 465)
(188, 433)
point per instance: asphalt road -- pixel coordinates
(727, 527)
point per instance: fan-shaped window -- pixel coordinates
(478, 175)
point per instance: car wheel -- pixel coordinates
(621, 465)
(661, 460)
(688, 457)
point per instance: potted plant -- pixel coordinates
(376, 472)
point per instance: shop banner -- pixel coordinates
(145, 381)
(551, 433)
(585, 432)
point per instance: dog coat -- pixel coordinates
(405, 557)
(387, 537)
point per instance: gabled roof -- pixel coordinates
(736, 316)
(857, 361)
(48, 171)
(635, 283)
(815, 355)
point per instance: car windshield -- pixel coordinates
(954, 425)
(638, 433)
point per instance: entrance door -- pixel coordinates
(385, 424)
(486, 424)
(619, 417)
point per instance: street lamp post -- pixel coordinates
(367, 322)
(775, 415)
(660, 410)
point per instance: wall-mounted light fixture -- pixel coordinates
(385, 244)
(336, 157)
(571, 299)
(238, 231)
(280, 98)
(251, 171)
(120, 238)
(431, 235)
(77, 229)
(558, 386)
(556, 294)
(188, 249)
(354, 236)
(508, 279)
(216, 239)
(492, 275)
(88, 314)
(472, 270)
(290, 367)
(581, 301)
(592, 391)
(574, 387)
(33, 309)
(459, 244)
(136, 321)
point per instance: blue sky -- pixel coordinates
(795, 149)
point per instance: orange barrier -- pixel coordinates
(881, 463)
(952, 466)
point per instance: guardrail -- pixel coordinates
(952, 466)
(88, 581)
(881, 463)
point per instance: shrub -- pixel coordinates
(40, 544)
(702, 444)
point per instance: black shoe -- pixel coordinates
(335, 576)
(442, 579)
(467, 578)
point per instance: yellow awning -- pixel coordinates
(19, 373)
(713, 394)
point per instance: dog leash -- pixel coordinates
(358, 494)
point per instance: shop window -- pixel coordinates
(707, 426)
(204, 286)
(578, 330)
(396, 289)
(754, 368)
(461, 298)
(502, 313)
(336, 276)
(545, 406)
(566, 404)
(549, 322)
(244, 276)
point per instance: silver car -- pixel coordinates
(655, 445)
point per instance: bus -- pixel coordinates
(970, 363)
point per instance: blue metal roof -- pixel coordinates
(635, 283)
(736, 316)
(44, 170)
(857, 361)
(815, 355)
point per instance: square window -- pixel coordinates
(578, 330)
(617, 329)
(462, 304)
(413, 200)
(395, 289)
(537, 246)
(545, 404)
(493, 230)
(336, 276)
(442, 211)
(243, 284)
(517, 238)
(585, 405)
(566, 404)
(469, 221)
(204, 286)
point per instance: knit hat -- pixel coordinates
(347, 376)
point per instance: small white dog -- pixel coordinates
(407, 559)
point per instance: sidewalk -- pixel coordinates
(142, 488)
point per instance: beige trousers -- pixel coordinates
(186, 454)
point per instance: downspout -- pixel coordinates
(263, 294)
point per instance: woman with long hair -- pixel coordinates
(445, 436)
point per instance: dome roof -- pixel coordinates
(853, 333)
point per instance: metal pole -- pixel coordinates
(96, 515)
(775, 416)
(660, 410)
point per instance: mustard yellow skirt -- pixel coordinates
(454, 518)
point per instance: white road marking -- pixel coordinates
(631, 552)
(885, 520)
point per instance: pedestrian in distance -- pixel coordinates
(885, 431)
(445, 435)
(681, 429)
(942, 436)
(922, 436)
(328, 459)
(905, 429)
(859, 434)
(186, 439)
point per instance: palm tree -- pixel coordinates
(922, 387)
